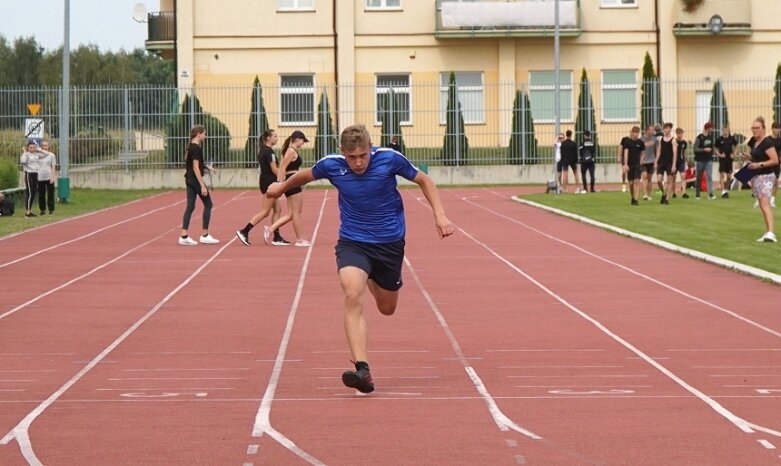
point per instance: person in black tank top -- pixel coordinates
(291, 163)
(666, 157)
(763, 160)
(267, 164)
(196, 187)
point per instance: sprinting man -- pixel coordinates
(666, 156)
(370, 249)
(680, 165)
(630, 160)
(649, 158)
(725, 147)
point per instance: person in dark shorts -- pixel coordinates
(370, 249)
(725, 147)
(666, 157)
(680, 166)
(569, 160)
(647, 163)
(763, 158)
(621, 146)
(631, 163)
(196, 187)
(289, 166)
(588, 160)
(268, 174)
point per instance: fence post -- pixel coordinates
(126, 138)
(523, 130)
(457, 120)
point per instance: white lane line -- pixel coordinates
(399, 377)
(584, 386)
(17, 380)
(585, 376)
(740, 423)
(745, 375)
(544, 350)
(374, 351)
(736, 367)
(511, 443)
(253, 449)
(176, 378)
(560, 367)
(636, 273)
(21, 432)
(274, 360)
(187, 370)
(503, 422)
(262, 417)
(92, 233)
(79, 217)
(24, 371)
(766, 444)
(721, 350)
(160, 389)
(194, 352)
(11, 390)
(37, 354)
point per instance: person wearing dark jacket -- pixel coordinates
(569, 159)
(6, 206)
(588, 158)
(703, 159)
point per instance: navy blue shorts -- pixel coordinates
(381, 261)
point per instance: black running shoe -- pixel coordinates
(634, 202)
(359, 379)
(685, 196)
(725, 195)
(280, 241)
(30, 215)
(242, 237)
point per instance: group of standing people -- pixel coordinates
(39, 165)
(569, 155)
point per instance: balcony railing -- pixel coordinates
(727, 17)
(515, 18)
(161, 27)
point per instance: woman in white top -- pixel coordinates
(47, 176)
(29, 161)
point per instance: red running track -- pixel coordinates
(524, 339)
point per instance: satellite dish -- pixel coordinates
(139, 13)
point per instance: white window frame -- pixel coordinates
(382, 7)
(550, 87)
(608, 87)
(618, 4)
(296, 6)
(401, 89)
(297, 90)
(462, 88)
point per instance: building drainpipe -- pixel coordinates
(658, 36)
(176, 47)
(336, 66)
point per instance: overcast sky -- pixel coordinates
(107, 23)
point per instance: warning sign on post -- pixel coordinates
(34, 108)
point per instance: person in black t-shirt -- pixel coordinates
(776, 127)
(666, 157)
(588, 159)
(703, 159)
(763, 159)
(196, 187)
(680, 165)
(725, 147)
(267, 164)
(631, 162)
(621, 146)
(289, 166)
(569, 159)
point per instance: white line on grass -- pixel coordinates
(740, 423)
(262, 418)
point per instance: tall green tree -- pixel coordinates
(215, 146)
(586, 118)
(390, 117)
(325, 138)
(523, 143)
(456, 145)
(651, 109)
(258, 123)
(718, 107)
(777, 95)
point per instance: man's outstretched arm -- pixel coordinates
(444, 226)
(299, 179)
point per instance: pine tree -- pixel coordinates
(215, 146)
(718, 107)
(390, 116)
(651, 110)
(456, 146)
(258, 123)
(777, 96)
(523, 144)
(325, 139)
(586, 119)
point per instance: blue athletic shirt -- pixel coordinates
(370, 206)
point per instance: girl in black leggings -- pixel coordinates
(196, 187)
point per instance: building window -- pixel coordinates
(400, 104)
(297, 97)
(619, 95)
(542, 94)
(618, 3)
(295, 4)
(380, 4)
(469, 88)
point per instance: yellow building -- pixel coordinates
(355, 50)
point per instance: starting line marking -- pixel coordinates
(591, 392)
(162, 395)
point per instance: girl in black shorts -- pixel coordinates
(268, 174)
(291, 163)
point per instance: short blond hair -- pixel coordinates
(355, 136)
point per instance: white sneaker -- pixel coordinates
(768, 237)
(268, 235)
(187, 241)
(209, 239)
(302, 243)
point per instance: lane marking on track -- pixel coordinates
(160, 389)
(721, 350)
(20, 432)
(179, 369)
(739, 422)
(79, 217)
(584, 376)
(92, 233)
(766, 444)
(262, 417)
(584, 386)
(175, 378)
(503, 422)
(635, 272)
(544, 350)
(560, 367)
(253, 449)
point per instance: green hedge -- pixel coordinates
(9, 174)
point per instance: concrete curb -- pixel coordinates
(727, 264)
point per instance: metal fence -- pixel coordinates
(146, 127)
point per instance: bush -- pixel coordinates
(11, 144)
(9, 174)
(92, 145)
(215, 147)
